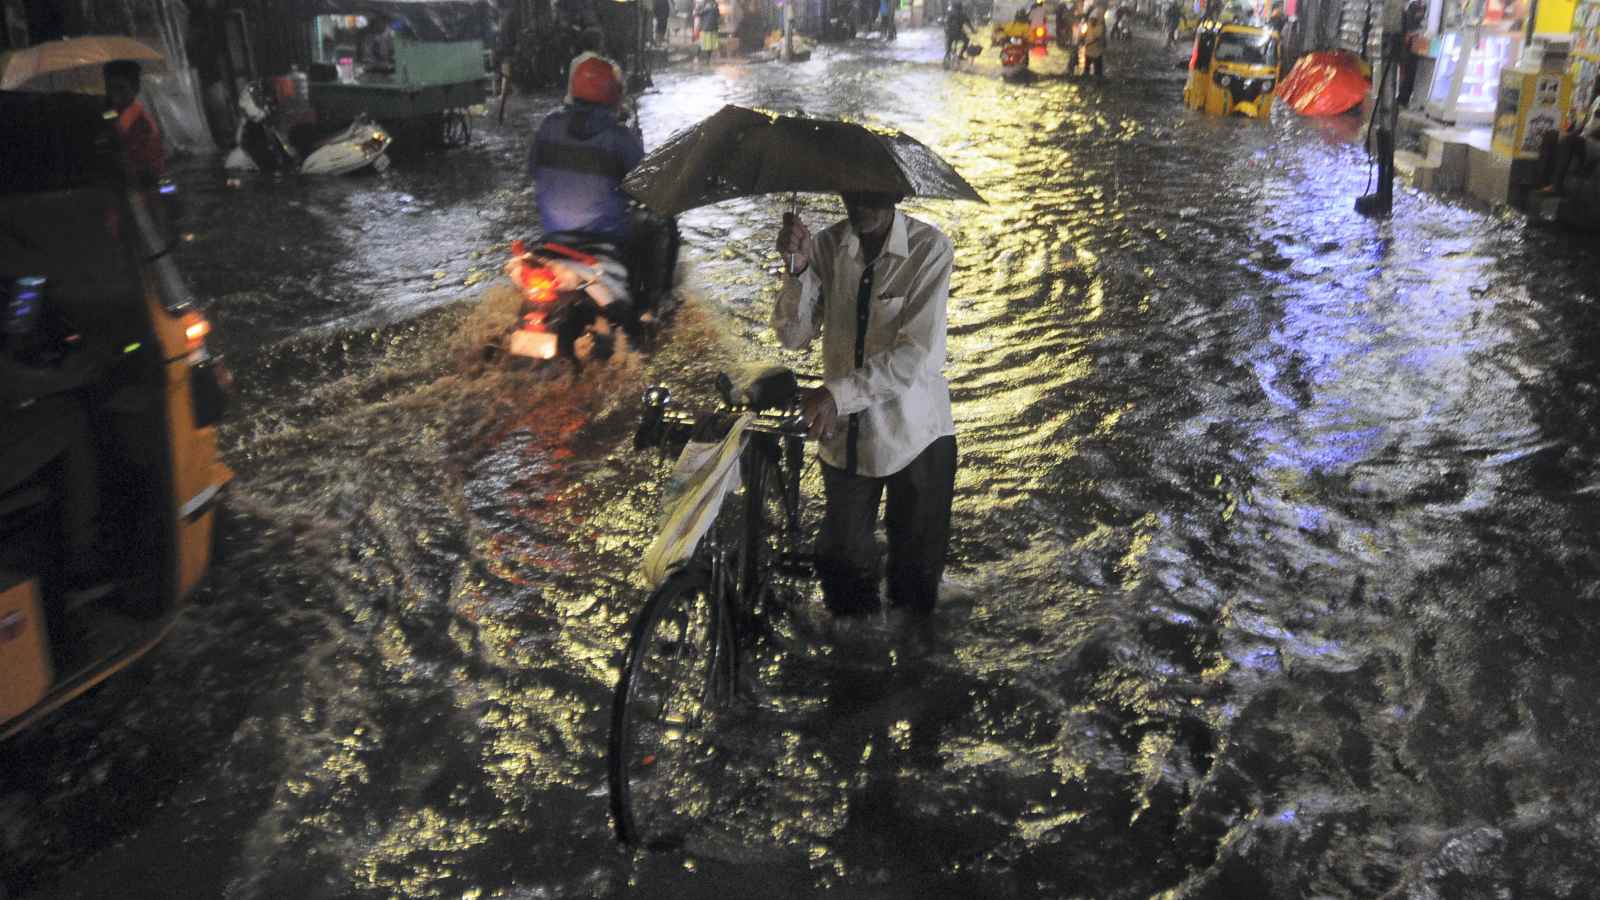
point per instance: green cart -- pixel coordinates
(411, 64)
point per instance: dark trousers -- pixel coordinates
(1408, 79)
(652, 259)
(917, 518)
(1571, 148)
(1096, 65)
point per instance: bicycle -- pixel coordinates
(958, 51)
(683, 658)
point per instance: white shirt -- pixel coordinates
(899, 393)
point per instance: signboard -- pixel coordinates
(1529, 105)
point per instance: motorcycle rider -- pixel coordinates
(579, 157)
(1037, 17)
(580, 154)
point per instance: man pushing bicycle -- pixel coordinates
(876, 286)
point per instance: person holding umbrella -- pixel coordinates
(875, 286)
(144, 159)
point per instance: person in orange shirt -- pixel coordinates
(143, 157)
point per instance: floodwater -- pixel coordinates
(1273, 572)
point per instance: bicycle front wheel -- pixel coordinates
(660, 757)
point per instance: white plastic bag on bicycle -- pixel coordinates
(704, 475)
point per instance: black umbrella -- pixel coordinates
(743, 152)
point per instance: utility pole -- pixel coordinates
(1386, 112)
(788, 30)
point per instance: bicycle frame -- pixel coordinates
(731, 569)
(776, 445)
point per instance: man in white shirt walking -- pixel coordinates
(876, 287)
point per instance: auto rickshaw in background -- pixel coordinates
(104, 354)
(1233, 70)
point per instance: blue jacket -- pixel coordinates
(579, 157)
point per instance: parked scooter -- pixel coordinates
(260, 145)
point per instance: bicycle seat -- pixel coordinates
(761, 388)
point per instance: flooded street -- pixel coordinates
(1273, 568)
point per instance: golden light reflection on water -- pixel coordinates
(1111, 356)
(402, 861)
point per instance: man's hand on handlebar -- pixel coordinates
(795, 243)
(819, 412)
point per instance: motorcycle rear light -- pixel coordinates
(538, 284)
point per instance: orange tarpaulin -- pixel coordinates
(1325, 83)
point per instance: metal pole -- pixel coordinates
(1386, 113)
(788, 30)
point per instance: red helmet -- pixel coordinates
(595, 79)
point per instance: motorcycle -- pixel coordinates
(260, 146)
(1014, 59)
(578, 293)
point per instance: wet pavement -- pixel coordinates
(1273, 569)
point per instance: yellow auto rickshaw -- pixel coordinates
(110, 404)
(1233, 70)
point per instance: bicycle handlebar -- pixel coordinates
(662, 423)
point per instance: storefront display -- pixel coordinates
(1465, 91)
(1584, 62)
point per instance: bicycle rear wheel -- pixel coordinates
(678, 670)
